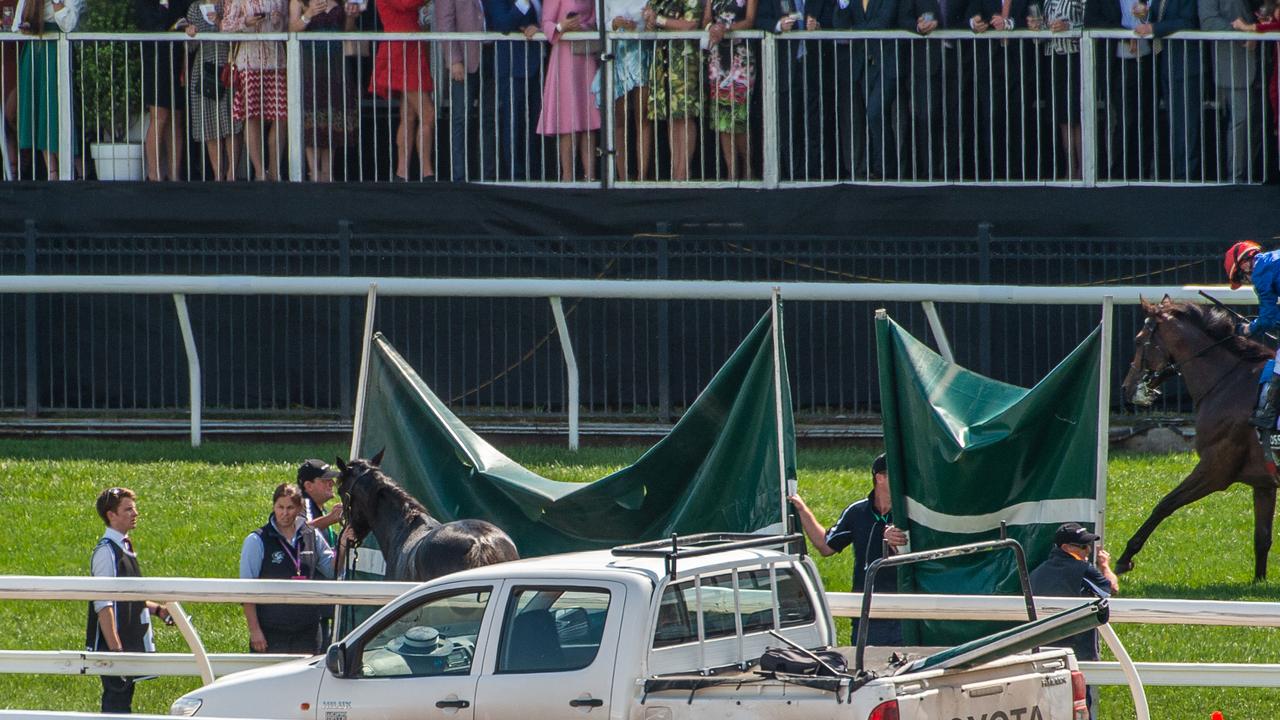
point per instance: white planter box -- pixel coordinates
(117, 161)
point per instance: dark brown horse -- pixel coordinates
(1220, 371)
(415, 545)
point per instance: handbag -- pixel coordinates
(228, 72)
(210, 80)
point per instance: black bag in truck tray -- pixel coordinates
(793, 662)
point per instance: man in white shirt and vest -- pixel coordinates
(116, 625)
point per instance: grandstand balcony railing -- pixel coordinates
(1077, 108)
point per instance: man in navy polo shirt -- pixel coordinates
(866, 525)
(1068, 573)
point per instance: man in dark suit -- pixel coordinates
(996, 102)
(801, 96)
(518, 72)
(866, 80)
(1179, 64)
(1235, 75)
(1124, 68)
(939, 120)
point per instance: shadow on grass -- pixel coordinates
(218, 451)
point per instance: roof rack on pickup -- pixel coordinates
(701, 544)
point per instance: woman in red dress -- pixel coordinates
(405, 68)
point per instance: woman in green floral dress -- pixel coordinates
(731, 75)
(675, 85)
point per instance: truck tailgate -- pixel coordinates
(1024, 687)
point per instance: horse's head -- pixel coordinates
(357, 486)
(1152, 362)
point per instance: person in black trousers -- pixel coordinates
(940, 123)
(803, 108)
(117, 625)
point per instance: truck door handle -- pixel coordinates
(453, 704)
(589, 702)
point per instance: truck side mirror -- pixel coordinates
(335, 660)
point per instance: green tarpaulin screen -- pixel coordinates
(966, 452)
(717, 470)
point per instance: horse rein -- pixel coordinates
(1152, 379)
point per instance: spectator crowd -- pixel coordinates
(984, 106)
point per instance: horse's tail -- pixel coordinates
(462, 545)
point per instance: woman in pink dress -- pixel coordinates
(405, 68)
(568, 109)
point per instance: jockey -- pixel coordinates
(1245, 263)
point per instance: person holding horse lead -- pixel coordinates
(286, 547)
(1246, 264)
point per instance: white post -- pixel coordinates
(357, 425)
(1104, 414)
(939, 334)
(571, 367)
(192, 637)
(785, 483)
(293, 89)
(1089, 115)
(1139, 693)
(193, 366)
(769, 108)
(66, 142)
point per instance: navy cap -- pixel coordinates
(879, 465)
(314, 469)
(1073, 534)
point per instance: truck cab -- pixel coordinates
(539, 638)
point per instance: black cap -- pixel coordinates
(879, 465)
(1073, 534)
(315, 470)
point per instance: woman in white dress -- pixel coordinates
(632, 59)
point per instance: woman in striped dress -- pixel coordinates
(259, 93)
(211, 121)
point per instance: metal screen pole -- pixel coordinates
(357, 424)
(785, 483)
(1089, 112)
(1104, 414)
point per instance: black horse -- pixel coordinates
(415, 545)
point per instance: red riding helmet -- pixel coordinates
(1238, 253)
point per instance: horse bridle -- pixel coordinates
(346, 497)
(1152, 379)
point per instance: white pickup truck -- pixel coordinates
(655, 631)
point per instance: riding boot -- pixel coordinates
(1265, 416)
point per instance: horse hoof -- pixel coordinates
(1124, 566)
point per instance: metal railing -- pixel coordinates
(294, 357)
(1081, 107)
(906, 606)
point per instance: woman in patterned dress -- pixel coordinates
(731, 75)
(328, 97)
(675, 83)
(210, 102)
(631, 67)
(259, 92)
(1064, 63)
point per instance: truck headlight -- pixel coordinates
(185, 706)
